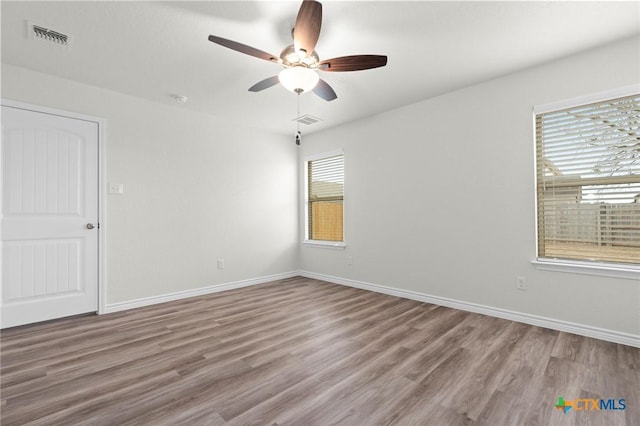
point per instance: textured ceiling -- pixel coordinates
(156, 49)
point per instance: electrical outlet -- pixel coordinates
(350, 260)
(521, 283)
(220, 263)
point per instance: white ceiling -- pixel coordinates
(155, 49)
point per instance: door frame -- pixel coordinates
(102, 185)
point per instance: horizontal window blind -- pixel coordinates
(325, 183)
(588, 182)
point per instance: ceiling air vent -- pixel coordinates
(38, 32)
(307, 119)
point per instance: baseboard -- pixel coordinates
(146, 301)
(554, 324)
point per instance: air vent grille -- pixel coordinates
(307, 119)
(47, 34)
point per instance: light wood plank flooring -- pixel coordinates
(305, 352)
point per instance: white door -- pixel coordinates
(49, 216)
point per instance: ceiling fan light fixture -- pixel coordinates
(291, 57)
(298, 78)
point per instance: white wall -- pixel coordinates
(196, 189)
(439, 196)
(418, 179)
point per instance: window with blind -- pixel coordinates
(325, 196)
(588, 182)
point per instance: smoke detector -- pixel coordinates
(180, 99)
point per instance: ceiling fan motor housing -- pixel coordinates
(294, 58)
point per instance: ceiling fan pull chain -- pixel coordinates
(298, 134)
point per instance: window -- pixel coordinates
(588, 182)
(325, 196)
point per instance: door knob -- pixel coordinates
(90, 226)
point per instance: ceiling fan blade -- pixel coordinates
(264, 84)
(243, 48)
(325, 91)
(353, 63)
(307, 28)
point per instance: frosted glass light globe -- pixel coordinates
(298, 78)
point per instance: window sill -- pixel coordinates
(586, 268)
(337, 245)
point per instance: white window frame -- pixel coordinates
(570, 266)
(321, 243)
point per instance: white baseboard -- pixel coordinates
(146, 301)
(554, 324)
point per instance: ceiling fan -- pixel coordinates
(300, 59)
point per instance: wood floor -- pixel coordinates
(305, 352)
